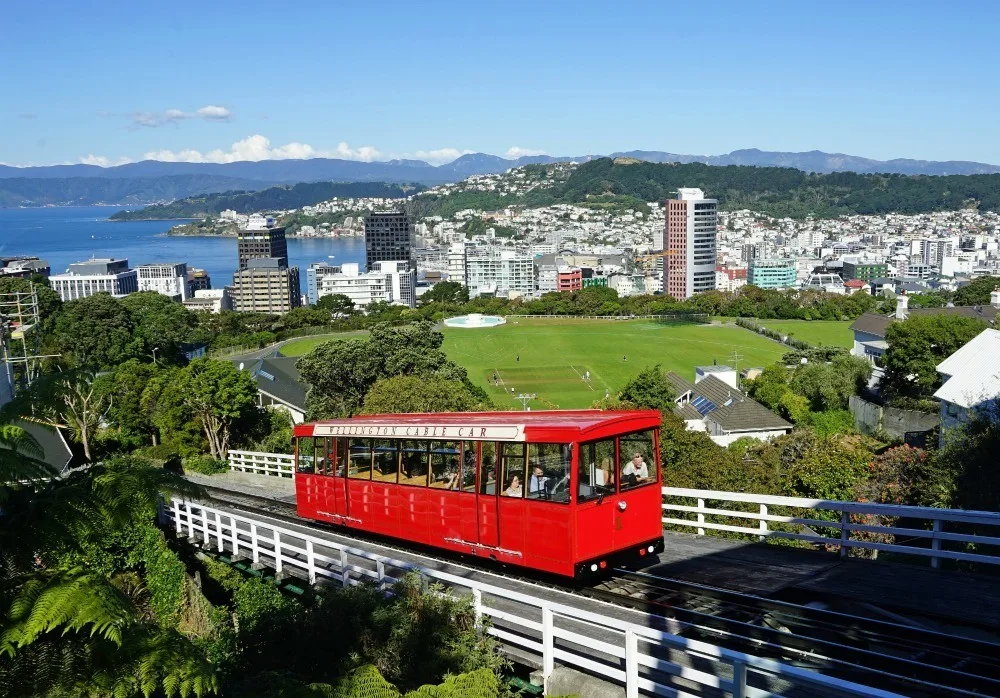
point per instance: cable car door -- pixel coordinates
(486, 496)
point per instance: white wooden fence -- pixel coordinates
(634, 656)
(274, 464)
(855, 525)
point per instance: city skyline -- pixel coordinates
(108, 86)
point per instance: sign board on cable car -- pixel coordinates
(478, 432)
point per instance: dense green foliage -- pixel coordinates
(424, 393)
(270, 199)
(776, 191)
(917, 345)
(341, 373)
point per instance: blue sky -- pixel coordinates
(100, 82)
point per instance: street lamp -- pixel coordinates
(154, 354)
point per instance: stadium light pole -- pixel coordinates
(525, 398)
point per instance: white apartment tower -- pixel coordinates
(689, 242)
(166, 279)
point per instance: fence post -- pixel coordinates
(739, 680)
(218, 530)
(254, 543)
(380, 571)
(345, 574)
(204, 527)
(631, 664)
(701, 516)
(763, 522)
(190, 516)
(936, 543)
(277, 552)
(548, 643)
(845, 532)
(235, 538)
(177, 517)
(309, 561)
(477, 606)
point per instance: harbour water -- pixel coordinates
(66, 234)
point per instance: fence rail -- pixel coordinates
(594, 643)
(273, 464)
(853, 526)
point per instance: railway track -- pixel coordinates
(899, 657)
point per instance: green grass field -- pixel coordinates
(304, 345)
(555, 355)
(828, 333)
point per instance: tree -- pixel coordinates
(337, 304)
(75, 400)
(769, 387)
(160, 322)
(403, 394)
(977, 291)
(125, 387)
(917, 345)
(650, 389)
(218, 394)
(97, 332)
(163, 400)
(830, 386)
(446, 292)
(340, 373)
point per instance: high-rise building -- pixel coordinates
(264, 282)
(266, 286)
(689, 241)
(84, 279)
(402, 280)
(166, 279)
(864, 271)
(262, 240)
(314, 273)
(388, 238)
(503, 273)
(198, 280)
(772, 273)
(363, 289)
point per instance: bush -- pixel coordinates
(206, 465)
(160, 452)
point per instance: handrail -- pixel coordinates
(734, 673)
(274, 464)
(876, 520)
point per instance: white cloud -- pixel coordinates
(213, 112)
(258, 147)
(103, 161)
(439, 156)
(515, 152)
(152, 119)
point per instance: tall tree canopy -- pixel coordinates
(917, 345)
(341, 372)
(97, 332)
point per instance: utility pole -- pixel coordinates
(736, 364)
(525, 398)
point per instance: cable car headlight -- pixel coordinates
(622, 506)
(593, 567)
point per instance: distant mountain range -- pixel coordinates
(89, 184)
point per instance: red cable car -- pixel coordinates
(570, 492)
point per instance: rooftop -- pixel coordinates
(973, 373)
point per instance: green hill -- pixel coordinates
(273, 198)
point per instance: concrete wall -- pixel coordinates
(869, 418)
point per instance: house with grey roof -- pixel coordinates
(278, 382)
(971, 381)
(870, 328)
(714, 404)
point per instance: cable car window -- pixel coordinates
(638, 459)
(340, 451)
(386, 460)
(325, 456)
(306, 457)
(513, 461)
(360, 466)
(445, 464)
(549, 472)
(469, 467)
(597, 470)
(413, 463)
(488, 468)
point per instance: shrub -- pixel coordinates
(206, 465)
